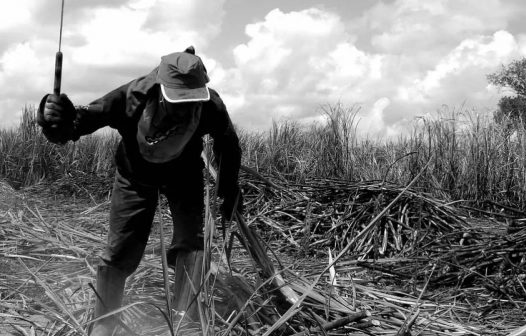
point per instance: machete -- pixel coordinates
(58, 58)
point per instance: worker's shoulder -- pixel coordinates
(215, 102)
(214, 117)
(142, 85)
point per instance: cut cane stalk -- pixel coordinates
(257, 251)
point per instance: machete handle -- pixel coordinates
(58, 73)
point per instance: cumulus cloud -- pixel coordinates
(459, 78)
(397, 60)
(105, 44)
(22, 73)
(146, 31)
(417, 57)
(432, 26)
(482, 53)
(294, 61)
(15, 16)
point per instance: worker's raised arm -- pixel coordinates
(62, 121)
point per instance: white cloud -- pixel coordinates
(294, 62)
(145, 32)
(405, 24)
(461, 75)
(23, 72)
(372, 122)
(346, 70)
(200, 20)
(105, 44)
(14, 14)
(482, 52)
(397, 60)
(421, 56)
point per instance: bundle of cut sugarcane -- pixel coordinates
(495, 261)
(328, 213)
(48, 253)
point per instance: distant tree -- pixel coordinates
(512, 109)
(511, 112)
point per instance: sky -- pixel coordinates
(392, 61)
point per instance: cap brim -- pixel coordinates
(180, 95)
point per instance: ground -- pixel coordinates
(50, 244)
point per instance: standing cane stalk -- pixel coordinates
(164, 261)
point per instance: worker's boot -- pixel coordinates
(187, 284)
(110, 289)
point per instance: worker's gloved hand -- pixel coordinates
(56, 115)
(229, 204)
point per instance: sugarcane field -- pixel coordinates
(263, 168)
(339, 237)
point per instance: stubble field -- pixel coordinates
(422, 236)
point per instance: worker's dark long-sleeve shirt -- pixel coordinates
(121, 110)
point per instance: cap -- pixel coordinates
(183, 77)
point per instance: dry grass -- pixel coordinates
(472, 157)
(366, 252)
(26, 157)
(49, 251)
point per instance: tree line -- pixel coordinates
(511, 110)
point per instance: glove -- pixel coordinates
(56, 115)
(229, 205)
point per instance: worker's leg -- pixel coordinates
(186, 251)
(132, 210)
(186, 199)
(188, 283)
(110, 289)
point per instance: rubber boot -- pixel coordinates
(110, 288)
(187, 284)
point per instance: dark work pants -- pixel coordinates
(133, 207)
